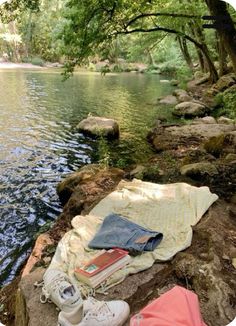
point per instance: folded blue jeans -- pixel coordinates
(117, 231)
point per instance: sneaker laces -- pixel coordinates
(99, 307)
(59, 282)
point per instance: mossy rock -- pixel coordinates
(215, 145)
(197, 170)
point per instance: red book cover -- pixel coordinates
(101, 262)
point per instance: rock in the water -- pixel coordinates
(97, 126)
(225, 120)
(174, 82)
(182, 95)
(199, 169)
(190, 109)
(169, 100)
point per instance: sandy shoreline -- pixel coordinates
(11, 65)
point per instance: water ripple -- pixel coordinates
(39, 143)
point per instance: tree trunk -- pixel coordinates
(185, 52)
(197, 31)
(225, 28)
(211, 67)
(222, 56)
(151, 60)
(201, 59)
(29, 35)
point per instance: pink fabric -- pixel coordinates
(177, 307)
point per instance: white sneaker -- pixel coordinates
(103, 313)
(99, 313)
(63, 292)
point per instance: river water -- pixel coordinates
(39, 143)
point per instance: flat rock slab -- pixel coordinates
(97, 126)
(207, 267)
(162, 138)
(29, 310)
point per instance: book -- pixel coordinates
(102, 266)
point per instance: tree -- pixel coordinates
(9, 11)
(225, 27)
(92, 25)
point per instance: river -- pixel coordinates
(39, 143)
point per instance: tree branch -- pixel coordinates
(162, 29)
(158, 14)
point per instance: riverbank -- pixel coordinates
(206, 267)
(11, 65)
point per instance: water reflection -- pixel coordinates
(39, 143)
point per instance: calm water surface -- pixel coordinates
(39, 143)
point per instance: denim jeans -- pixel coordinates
(117, 231)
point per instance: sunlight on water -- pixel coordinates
(39, 143)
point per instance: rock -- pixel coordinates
(230, 157)
(202, 265)
(190, 109)
(231, 89)
(199, 169)
(169, 99)
(174, 82)
(182, 95)
(224, 120)
(87, 175)
(42, 242)
(97, 126)
(233, 201)
(206, 120)
(138, 171)
(225, 82)
(198, 74)
(67, 186)
(231, 136)
(29, 310)
(188, 135)
(234, 262)
(202, 80)
(186, 266)
(164, 80)
(215, 145)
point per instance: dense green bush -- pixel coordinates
(227, 103)
(37, 61)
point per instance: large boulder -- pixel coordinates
(169, 100)
(188, 135)
(190, 109)
(97, 126)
